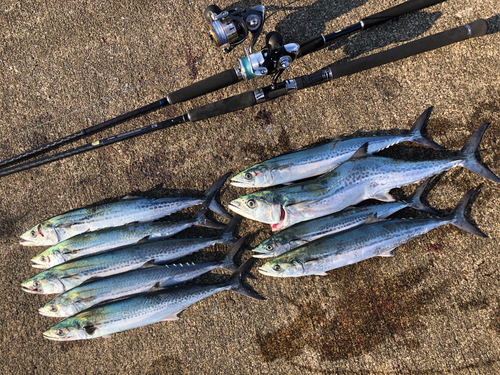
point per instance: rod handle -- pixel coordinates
(216, 82)
(221, 107)
(476, 28)
(396, 11)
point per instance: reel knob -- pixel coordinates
(274, 40)
(211, 12)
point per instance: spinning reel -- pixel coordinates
(230, 27)
(274, 58)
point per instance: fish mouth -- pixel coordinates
(38, 264)
(239, 211)
(261, 255)
(26, 242)
(267, 273)
(49, 336)
(31, 290)
(239, 183)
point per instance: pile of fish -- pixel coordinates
(322, 229)
(111, 264)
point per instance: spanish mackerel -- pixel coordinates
(65, 276)
(128, 210)
(130, 283)
(377, 239)
(361, 177)
(318, 160)
(143, 310)
(112, 238)
(303, 233)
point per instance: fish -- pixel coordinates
(111, 238)
(355, 245)
(130, 283)
(306, 232)
(66, 276)
(145, 309)
(315, 161)
(128, 210)
(361, 177)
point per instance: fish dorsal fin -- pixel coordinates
(172, 317)
(388, 254)
(143, 240)
(372, 219)
(127, 197)
(149, 264)
(155, 287)
(384, 197)
(362, 152)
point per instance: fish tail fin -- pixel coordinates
(416, 131)
(228, 233)
(236, 281)
(201, 218)
(228, 262)
(415, 200)
(469, 159)
(458, 215)
(214, 205)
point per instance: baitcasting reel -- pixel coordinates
(230, 27)
(274, 58)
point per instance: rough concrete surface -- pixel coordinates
(434, 308)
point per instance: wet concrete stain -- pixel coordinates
(362, 319)
(263, 152)
(167, 365)
(264, 116)
(495, 319)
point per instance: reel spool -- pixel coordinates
(231, 27)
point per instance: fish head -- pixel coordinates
(259, 175)
(258, 206)
(68, 330)
(48, 258)
(43, 234)
(283, 266)
(43, 283)
(58, 309)
(270, 248)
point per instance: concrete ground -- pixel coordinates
(434, 308)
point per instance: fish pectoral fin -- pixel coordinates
(304, 205)
(384, 197)
(362, 152)
(106, 336)
(143, 240)
(388, 254)
(173, 317)
(66, 225)
(321, 274)
(373, 219)
(90, 329)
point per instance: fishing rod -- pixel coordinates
(271, 92)
(273, 59)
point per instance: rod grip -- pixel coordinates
(216, 82)
(476, 28)
(223, 106)
(396, 11)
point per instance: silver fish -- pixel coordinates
(112, 238)
(142, 310)
(361, 177)
(377, 239)
(303, 233)
(319, 160)
(130, 283)
(128, 210)
(66, 276)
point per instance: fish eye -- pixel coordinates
(36, 283)
(248, 176)
(276, 267)
(42, 258)
(59, 332)
(251, 203)
(53, 308)
(269, 247)
(33, 233)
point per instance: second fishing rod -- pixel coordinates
(228, 29)
(271, 92)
